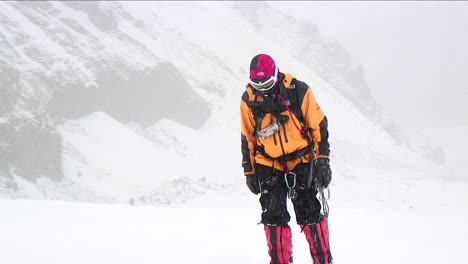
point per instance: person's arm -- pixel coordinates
(317, 121)
(248, 139)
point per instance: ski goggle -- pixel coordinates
(264, 84)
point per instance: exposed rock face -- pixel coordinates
(143, 97)
(29, 150)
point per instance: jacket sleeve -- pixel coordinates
(248, 139)
(317, 122)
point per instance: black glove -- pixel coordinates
(323, 172)
(252, 183)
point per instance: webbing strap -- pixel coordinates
(301, 130)
(291, 156)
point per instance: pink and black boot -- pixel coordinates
(317, 236)
(279, 240)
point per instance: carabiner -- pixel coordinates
(292, 192)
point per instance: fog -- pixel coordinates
(119, 121)
(75, 73)
(414, 54)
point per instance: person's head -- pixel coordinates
(263, 73)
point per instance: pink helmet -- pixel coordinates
(263, 72)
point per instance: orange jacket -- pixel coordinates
(288, 139)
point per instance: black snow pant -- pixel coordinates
(274, 196)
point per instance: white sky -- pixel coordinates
(415, 54)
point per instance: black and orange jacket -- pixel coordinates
(288, 140)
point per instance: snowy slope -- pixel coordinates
(116, 155)
(453, 139)
(108, 148)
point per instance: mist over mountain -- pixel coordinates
(82, 81)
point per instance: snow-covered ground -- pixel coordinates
(425, 223)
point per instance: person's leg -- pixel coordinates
(279, 240)
(314, 225)
(275, 216)
(318, 239)
(306, 205)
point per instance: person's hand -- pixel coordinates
(323, 172)
(252, 183)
